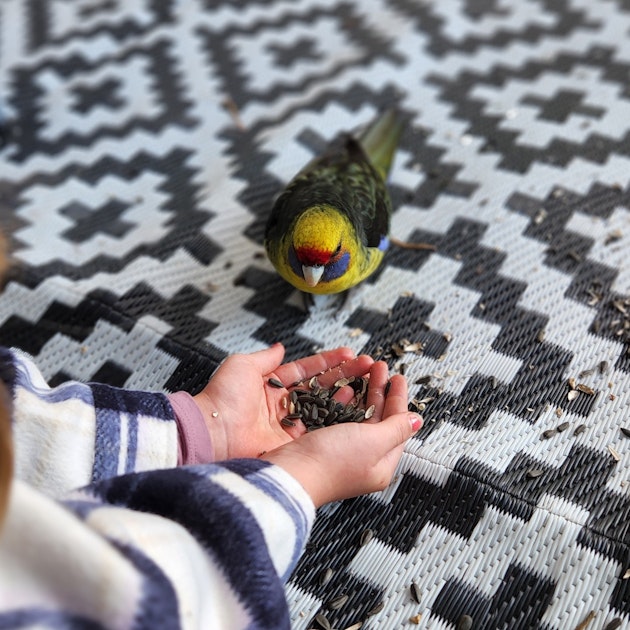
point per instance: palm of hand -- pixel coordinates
(243, 412)
(248, 410)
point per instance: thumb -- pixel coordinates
(397, 429)
(269, 359)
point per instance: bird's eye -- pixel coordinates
(338, 250)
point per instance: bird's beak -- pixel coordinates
(312, 275)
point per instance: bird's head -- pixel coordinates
(320, 245)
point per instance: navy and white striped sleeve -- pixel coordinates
(78, 433)
(197, 547)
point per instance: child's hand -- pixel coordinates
(346, 460)
(243, 412)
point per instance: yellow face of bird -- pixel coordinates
(322, 248)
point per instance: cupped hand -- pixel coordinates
(350, 459)
(243, 411)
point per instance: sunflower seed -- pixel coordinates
(415, 592)
(625, 431)
(562, 427)
(423, 380)
(337, 602)
(579, 429)
(603, 367)
(274, 382)
(375, 610)
(614, 624)
(286, 422)
(325, 576)
(465, 622)
(534, 473)
(545, 435)
(322, 621)
(354, 626)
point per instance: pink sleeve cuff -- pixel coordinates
(194, 445)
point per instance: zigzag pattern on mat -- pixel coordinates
(142, 146)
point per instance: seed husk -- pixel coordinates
(534, 473)
(579, 429)
(585, 389)
(337, 602)
(366, 536)
(625, 431)
(416, 619)
(354, 626)
(562, 427)
(369, 412)
(615, 454)
(572, 394)
(274, 382)
(626, 575)
(342, 382)
(465, 622)
(322, 621)
(613, 624)
(586, 621)
(414, 589)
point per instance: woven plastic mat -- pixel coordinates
(142, 146)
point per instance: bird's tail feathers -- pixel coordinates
(380, 140)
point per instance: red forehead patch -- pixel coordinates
(313, 256)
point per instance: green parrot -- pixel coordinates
(328, 230)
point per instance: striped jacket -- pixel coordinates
(104, 530)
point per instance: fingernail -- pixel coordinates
(416, 421)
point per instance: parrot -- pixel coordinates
(329, 228)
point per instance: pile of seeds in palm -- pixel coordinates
(317, 408)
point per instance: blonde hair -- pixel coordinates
(6, 450)
(6, 443)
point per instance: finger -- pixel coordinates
(357, 367)
(395, 430)
(307, 367)
(379, 376)
(396, 400)
(269, 359)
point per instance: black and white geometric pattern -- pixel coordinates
(142, 144)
